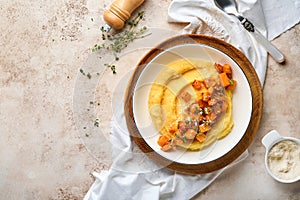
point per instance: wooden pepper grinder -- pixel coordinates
(119, 12)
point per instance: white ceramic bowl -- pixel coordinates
(242, 103)
(269, 141)
(246, 110)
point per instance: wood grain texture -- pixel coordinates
(257, 104)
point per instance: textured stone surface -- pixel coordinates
(48, 152)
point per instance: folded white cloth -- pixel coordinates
(205, 18)
(280, 16)
(133, 175)
(272, 17)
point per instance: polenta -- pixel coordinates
(190, 103)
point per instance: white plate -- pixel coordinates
(241, 112)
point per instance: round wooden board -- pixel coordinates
(257, 104)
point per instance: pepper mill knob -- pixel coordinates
(119, 12)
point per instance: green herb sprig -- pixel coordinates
(96, 122)
(119, 41)
(88, 75)
(112, 67)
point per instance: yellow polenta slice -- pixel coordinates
(166, 108)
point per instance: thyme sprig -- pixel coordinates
(88, 75)
(135, 21)
(119, 41)
(96, 122)
(112, 67)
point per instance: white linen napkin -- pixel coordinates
(133, 175)
(205, 18)
(270, 17)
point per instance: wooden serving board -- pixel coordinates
(257, 104)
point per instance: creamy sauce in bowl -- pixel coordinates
(284, 160)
